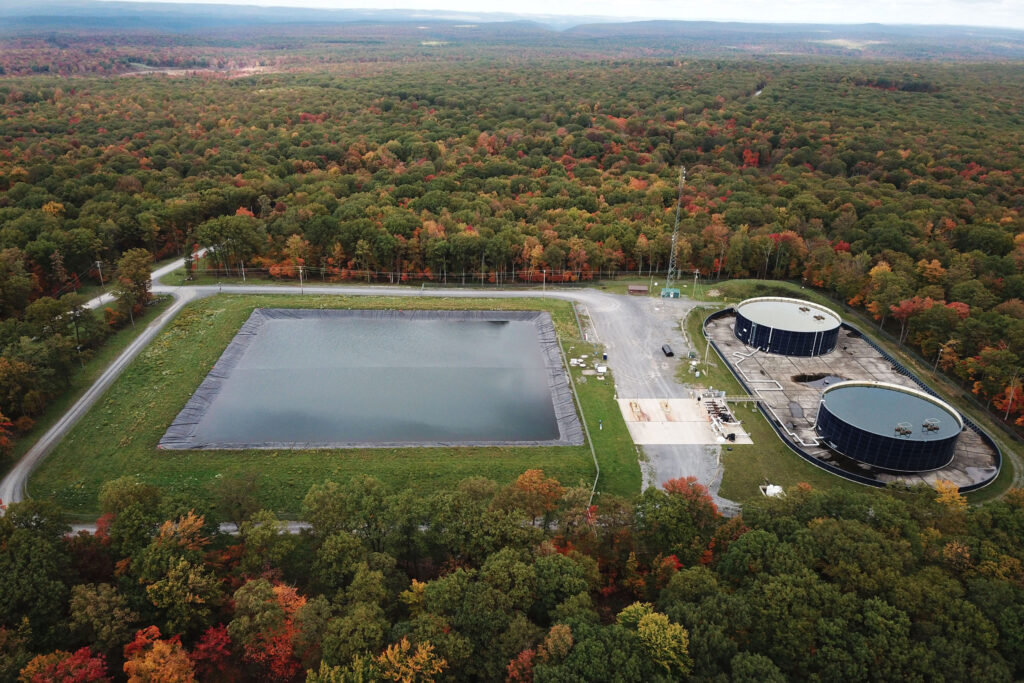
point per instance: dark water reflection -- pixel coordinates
(399, 381)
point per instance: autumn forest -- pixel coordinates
(893, 186)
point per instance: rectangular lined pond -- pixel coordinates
(295, 378)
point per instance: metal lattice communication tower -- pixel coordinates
(668, 290)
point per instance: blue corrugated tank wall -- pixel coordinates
(785, 342)
(902, 454)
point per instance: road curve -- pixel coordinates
(631, 329)
(12, 487)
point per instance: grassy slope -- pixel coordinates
(119, 435)
(737, 290)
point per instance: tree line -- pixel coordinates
(526, 582)
(45, 340)
(854, 177)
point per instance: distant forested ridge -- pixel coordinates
(72, 37)
(893, 186)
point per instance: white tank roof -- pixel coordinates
(783, 313)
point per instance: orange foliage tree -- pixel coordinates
(536, 494)
(264, 625)
(1011, 402)
(150, 658)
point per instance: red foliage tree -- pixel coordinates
(907, 308)
(520, 667)
(80, 666)
(963, 310)
(212, 655)
(6, 432)
(694, 492)
(664, 568)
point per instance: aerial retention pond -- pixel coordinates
(296, 378)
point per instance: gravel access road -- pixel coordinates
(12, 487)
(632, 330)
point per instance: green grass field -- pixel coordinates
(732, 291)
(120, 433)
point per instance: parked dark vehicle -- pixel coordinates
(667, 350)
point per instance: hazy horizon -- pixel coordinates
(967, 13)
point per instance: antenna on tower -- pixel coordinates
(668, 291)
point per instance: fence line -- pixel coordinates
(536, 276)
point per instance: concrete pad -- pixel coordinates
(794, 405)
(665, 422)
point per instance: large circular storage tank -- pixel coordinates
(888, 426)
(787, 326)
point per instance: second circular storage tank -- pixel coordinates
(889, 426)
(790, 327)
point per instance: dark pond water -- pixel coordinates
(879, 410)
(817, 380)
(354, 381)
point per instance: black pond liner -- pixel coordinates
(181, 435)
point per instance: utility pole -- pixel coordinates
(938, 356)
(78, 341)
(301, 289)
(99, 267)
(1013, 390)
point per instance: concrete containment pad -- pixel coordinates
(673, 421)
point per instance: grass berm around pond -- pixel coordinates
(119, 435)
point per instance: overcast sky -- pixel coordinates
(996, 13)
